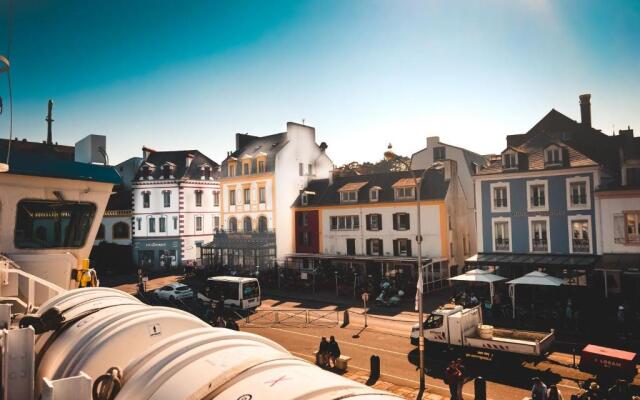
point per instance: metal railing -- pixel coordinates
(294, 317)
(21, 287)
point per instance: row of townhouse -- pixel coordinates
(563, 197)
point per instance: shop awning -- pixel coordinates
(628, 263)
(339, 257)
(249, 241)
(536, 260)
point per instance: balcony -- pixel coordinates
(502, 245)
(580, 245)
(539, 245)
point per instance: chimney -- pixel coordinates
(433, 141)
(450, 169)
(188, 160)
(585, 109)
(49, 122)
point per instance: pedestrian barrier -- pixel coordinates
(480, 388)
(374, 370)
(294, 317)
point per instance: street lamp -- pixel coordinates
(389, 155)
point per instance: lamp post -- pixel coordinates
(389, 155)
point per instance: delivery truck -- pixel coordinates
(455, 326)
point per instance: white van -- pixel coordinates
(238, 292)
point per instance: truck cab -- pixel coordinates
(447, 324)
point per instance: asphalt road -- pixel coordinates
(388, 339)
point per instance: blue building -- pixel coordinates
(535, 204)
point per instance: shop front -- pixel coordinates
(153, 254)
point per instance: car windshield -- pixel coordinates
(250, 290)
(433, 322)
(182, 288)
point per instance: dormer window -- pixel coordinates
(510, 160)
(374, 194)
(405, 193)
(146, 172)
(439, 153)
(553, 155)
(206, 172)
(246, 168)
(167, 170)
(261, 166)
(349, 197)
(304, 199)
(232, 169)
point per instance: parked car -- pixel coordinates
(174, 291)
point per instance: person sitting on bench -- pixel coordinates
(322, 357)
(334, 352)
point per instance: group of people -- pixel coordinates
(328, 353)
(454, 376)
(619, 391)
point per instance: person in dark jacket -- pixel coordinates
(322, 357)
(620, 391)
(334, 351)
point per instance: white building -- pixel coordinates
(367, 224)
(466, 161)
(259, 182)
(176, 207)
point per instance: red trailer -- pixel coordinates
(612, 362)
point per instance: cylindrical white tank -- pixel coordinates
(167, 354)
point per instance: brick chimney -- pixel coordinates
(585, 110)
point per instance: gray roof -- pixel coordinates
(179, 159)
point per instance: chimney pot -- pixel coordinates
(585, 109)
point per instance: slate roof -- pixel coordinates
(434, 187)
(250, 145)
(581, 145)
(179, 159)
(38, 161)
(120, 199)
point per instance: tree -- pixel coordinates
(355, 168)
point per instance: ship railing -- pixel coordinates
(26, 290)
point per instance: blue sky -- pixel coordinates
(189, 74)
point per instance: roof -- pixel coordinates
(253, 146)
(178, 159)
(434, 187)
(120, 200)
(539, 260)
(470, 157)
(25, 160)
(405, 182)
(238, 279)
(352, 186)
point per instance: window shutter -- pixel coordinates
(379, 222)
(408, 221)
(395, 224)
(368, 242)
(381, 247)
(368, 221)
(409, 244)
(395, 247)
(618, 228)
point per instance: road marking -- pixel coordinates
(446, 389)
(344, 342)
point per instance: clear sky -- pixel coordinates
(190, 74)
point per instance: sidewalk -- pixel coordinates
(403, 391)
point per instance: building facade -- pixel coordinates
(366, 226)
(176, 207)
(259, 182)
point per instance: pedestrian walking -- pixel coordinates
(322, 354)
(593, 393)
(461, 379)
(219, 308)
(333, 351)
(539, 389)
(220, 323)
(451, 376)
(554, 393)
(619, 391)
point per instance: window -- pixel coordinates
(198, 198)
(232, 170)
(198, 223)
(501, 236)
(175, 223)
(510, 160)
(146, 199)
(374, 194)
(405, 193)
(232, 197)
(500, 197)
(553, 156)
(305, 239)
(402, 247)
(578, 196)
(162, 224)
(216, 198)
(69, 223)
(632, 176)
(246, 168)
(152, 224)
(300, 169)
(304, 199)
(261, 166)
(262, 195)
(537, 195)
(374, 222)
(374, 247)
(166, 198)
(632, 224)
(434, 322)
(206, 173)
(538, 235)
(401, 221)
(350, 196)
(146, 172)
(246, 224)
(578, 193)
(310, 169)
(233, 224)
(139, 223)
(262, 224)
(351, 247)
(439, 153)
(247, 196)
(166, 171)
(305, 219)
(41, 233)
(345, 223)
(580, 242)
